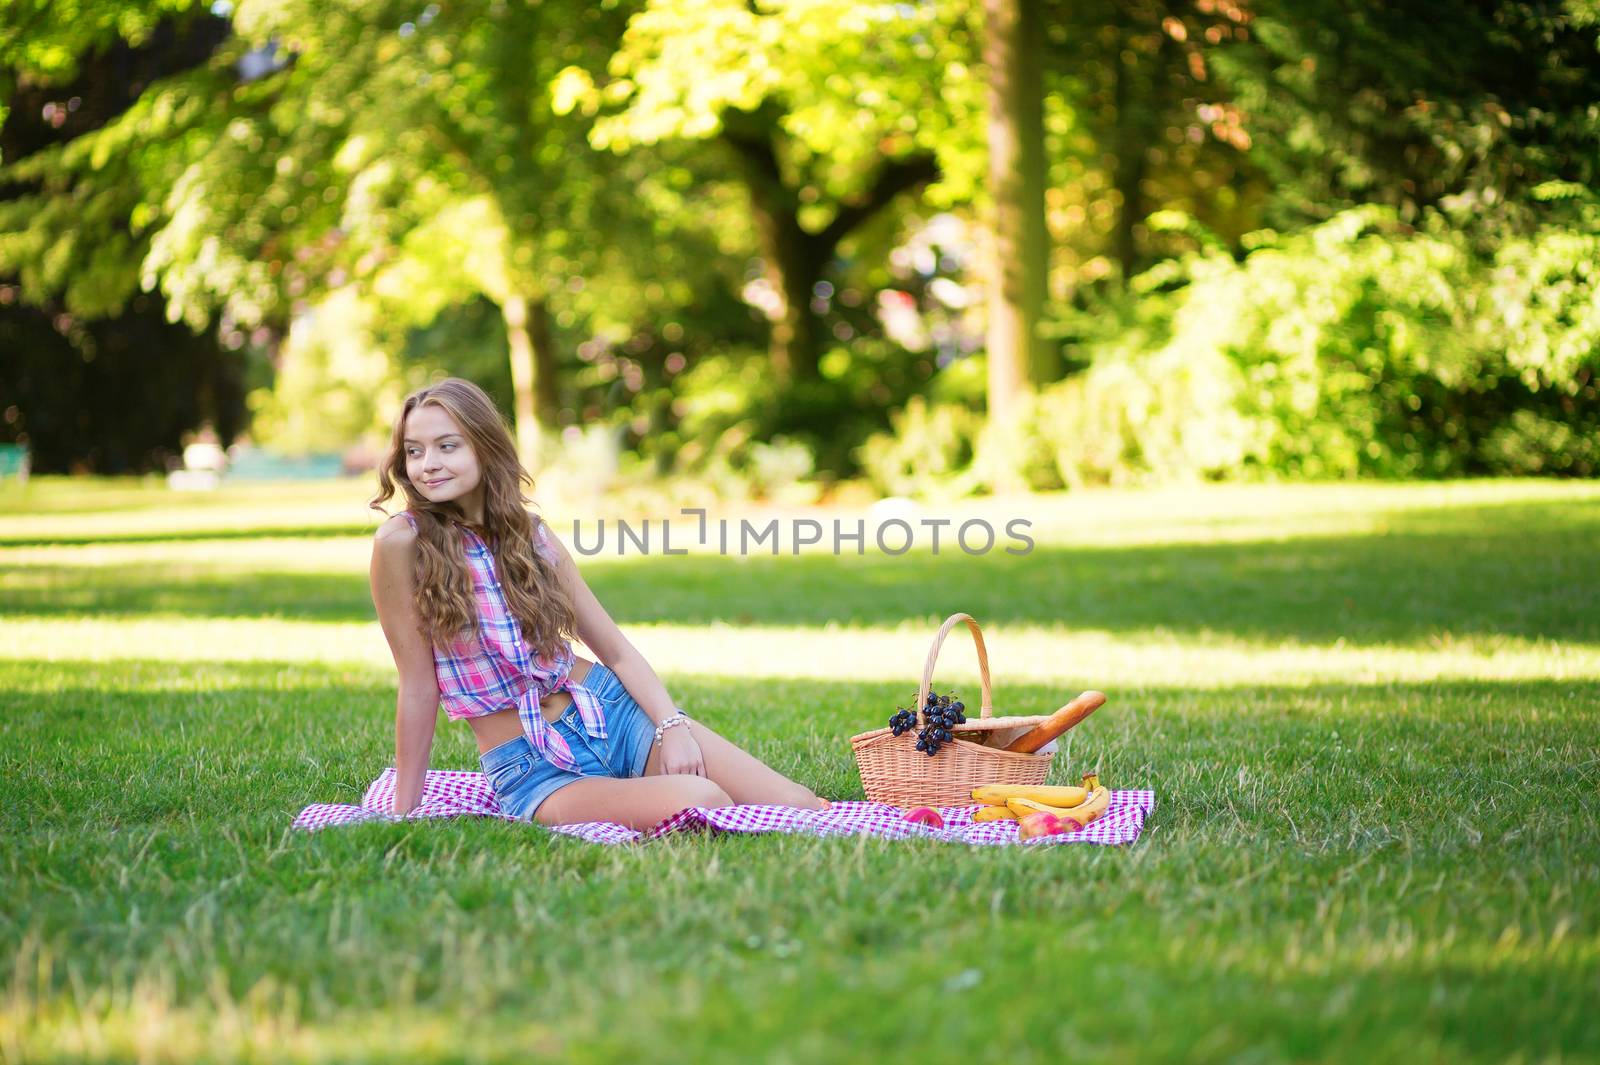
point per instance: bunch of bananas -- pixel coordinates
(1012, 802)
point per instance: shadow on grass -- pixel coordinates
(135, 592)
(151, 744)
(1522, 571)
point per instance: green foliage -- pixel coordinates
(1016, 453)
(86, 394)
(334, 384)
(48, 40)
(856, 82)
(1439, 318)
(1532, 443)
(94, 372)
(1463, 106)
(1160, 415)
(1544, 300)
(467, 340)
(77, 224)
(724, 404)
(928, 449)
(1358, 348)
(780, 471)
(727, 402)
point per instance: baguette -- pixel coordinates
(1058, 722)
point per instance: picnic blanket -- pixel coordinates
(461, 793)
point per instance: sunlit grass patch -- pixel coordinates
(1368, 713)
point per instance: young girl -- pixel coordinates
(476, 596)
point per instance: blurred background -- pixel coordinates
(800, 249)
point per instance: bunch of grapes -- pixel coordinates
(939, 713)
(904, 720)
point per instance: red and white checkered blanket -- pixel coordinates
(457, 793)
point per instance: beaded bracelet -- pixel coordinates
(676, 719)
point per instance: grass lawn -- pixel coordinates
(1371, 716)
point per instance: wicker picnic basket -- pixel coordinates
(893, 771)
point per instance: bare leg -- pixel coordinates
(732, 776)
(639, 802)
(743, 776)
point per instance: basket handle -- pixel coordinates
(987, 709)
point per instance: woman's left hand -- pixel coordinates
(680, 753)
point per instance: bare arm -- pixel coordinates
(417, 708)
(605, 639)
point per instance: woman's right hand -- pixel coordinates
(417, 707)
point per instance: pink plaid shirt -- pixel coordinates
(493, 668)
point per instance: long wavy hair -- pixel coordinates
(532, 587)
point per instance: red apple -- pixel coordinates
(925, 815)
(1042, 823)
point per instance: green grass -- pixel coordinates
(1369, 714)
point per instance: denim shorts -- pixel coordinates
(522, 778)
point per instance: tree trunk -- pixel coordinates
(546, 400)
(1019, 253)
(793, 267)
(795, 258)
(792, 258)
(514, 309)
(1131, 142)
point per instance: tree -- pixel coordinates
(1019, 256)
(826, 110)
(1466, 109)
(40, 47)
(1143, 124)
(94, 376)
(412, 155)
